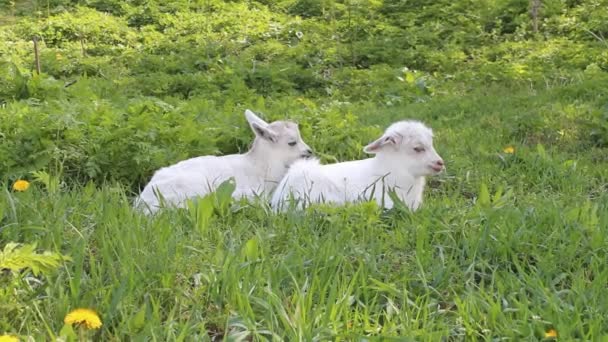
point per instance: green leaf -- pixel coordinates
(540, 149)
(51, 183)
(223, 196)
(409, 77)
(483, 198)
(16, 258)
(497, 195)
(139, 320)
(250, 250)
(201, 212)
(68, 333)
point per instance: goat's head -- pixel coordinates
(279, 140)
(409, 145)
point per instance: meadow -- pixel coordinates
(511, 242)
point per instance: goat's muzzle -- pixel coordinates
(308, 154)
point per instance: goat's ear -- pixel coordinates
(260, 127)
(264, 132)
(252, 118)
(385, 140)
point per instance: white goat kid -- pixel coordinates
(276, 146)
(404, 155)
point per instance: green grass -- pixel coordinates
(505, 246)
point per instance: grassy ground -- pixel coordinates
(506, 246)
(510, 244)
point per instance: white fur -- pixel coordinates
(404, 155)
(256, 172)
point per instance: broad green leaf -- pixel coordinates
(251, 249)
(139, 320)
(483, 198)
(67, 332)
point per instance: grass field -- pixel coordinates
(511, 242)
(505, 246)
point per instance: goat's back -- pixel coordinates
(199, 176)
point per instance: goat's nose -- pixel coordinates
(309, 151)
(440, 162)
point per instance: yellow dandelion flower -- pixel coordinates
(509, 150)
(21, 185)
(9, 338)
(552, 333)
(85, 317)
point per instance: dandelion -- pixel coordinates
(552, 333)
(509, 150)
(9, 338)
(83, 317)
(21, 185)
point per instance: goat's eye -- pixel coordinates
(419, 149)
(292, 143)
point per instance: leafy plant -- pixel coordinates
(22, 279)
(16, 258)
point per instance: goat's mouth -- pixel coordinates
(436, 168)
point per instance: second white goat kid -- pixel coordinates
(404, 156)
(276, 146)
